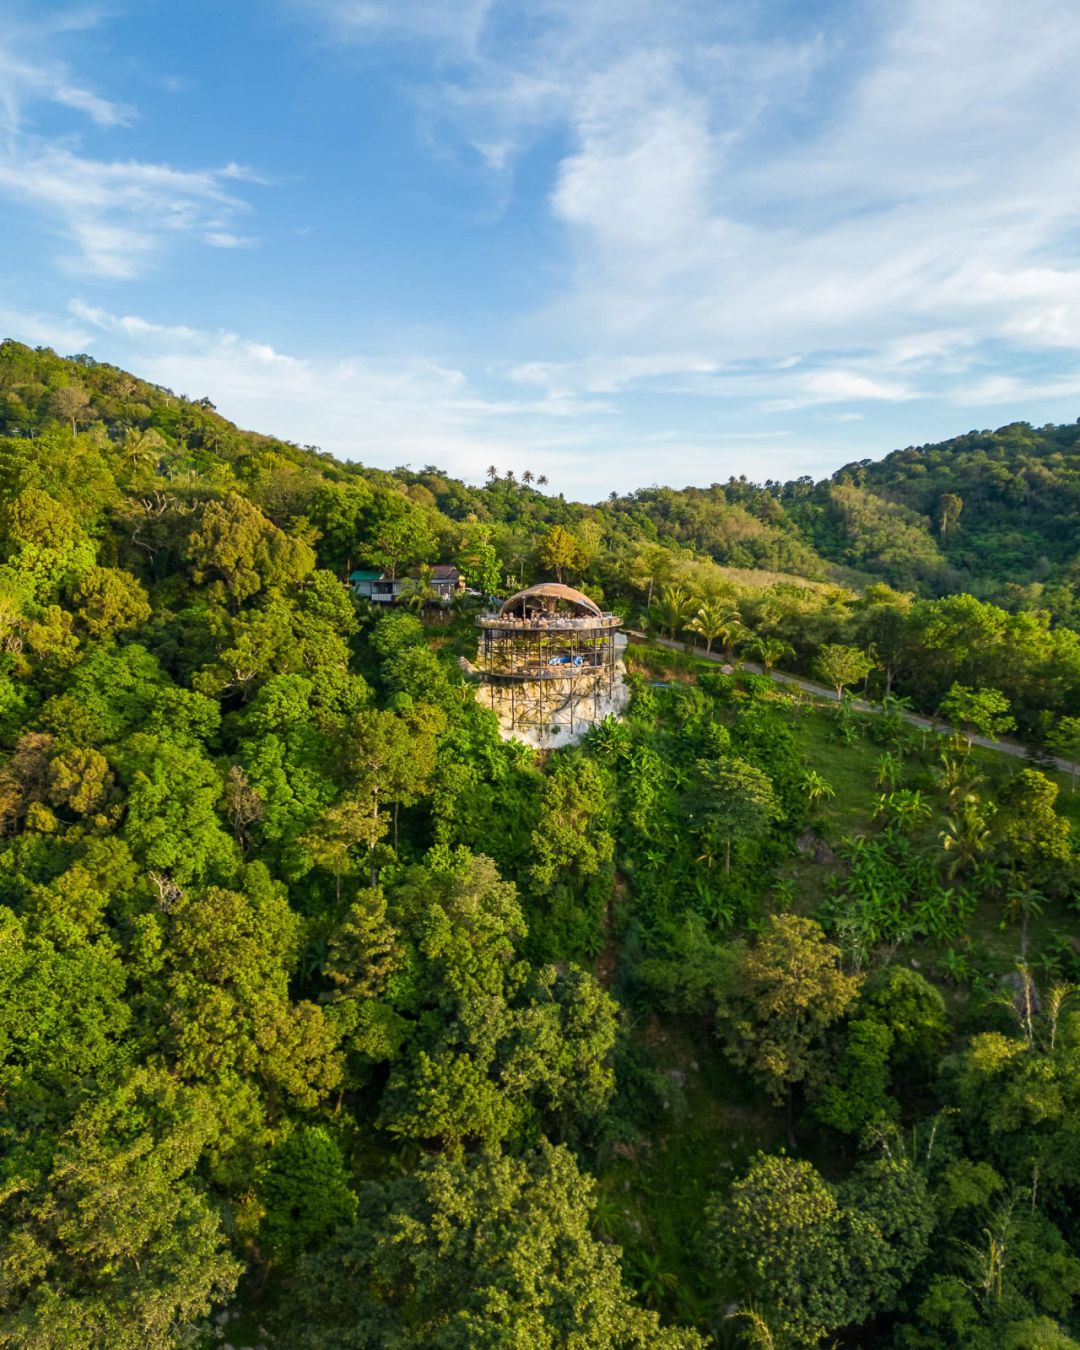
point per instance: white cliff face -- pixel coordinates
(570, 709)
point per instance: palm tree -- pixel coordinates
(671, 608)
(144, 447)
(966, 837)
(769, 650)
(420, 591)
(542, 481)
(955, 778)
(714, 620)
(527, 476)
(492, 473)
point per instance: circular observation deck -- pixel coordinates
(548, 632)
(549, 608)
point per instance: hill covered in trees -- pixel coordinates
(328, 1018)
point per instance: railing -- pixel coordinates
(557, 623)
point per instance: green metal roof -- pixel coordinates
(364, 575)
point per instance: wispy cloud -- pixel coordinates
(112, 215)
(899, 182)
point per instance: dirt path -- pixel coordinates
(1005, 747)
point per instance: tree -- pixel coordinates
(243, 805)
(479, 564)
(982, 712)
(571, 834)
(734, 798)
(949, 508)
(1027, 828)
(671, 608)
(884, 628)
(493, 1251)
(114, 1242)
(71, 402)
(966, 837)
(305, 1192)
(839, 666)
(1064, 740)
(420, 591)
(558, 551)
(236, 542)
(713, 621)
(401, 536)
(788, 992)
(812, 1258)
(110, 600)
(769, 650)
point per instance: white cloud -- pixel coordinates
(226, 239)
(23, 82)
(842, 386)
(902, 189)
(44, 330)
(114, 215)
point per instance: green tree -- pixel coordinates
(671, 609)
(715, 621)
(788, 992)
(769, 650)
(113, 1241)
(305, 1193)
(235, 541)
(558, 551)
(420, 592)
(1064, 741)
(401, 537)
(109, 600)
(734, 798)
(949, 509)
(571, 834)
(495, 1251)
(982, 712)
(479, 564)
(1026, 827)
(839, 666)
(808, 1262)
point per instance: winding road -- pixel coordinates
(1004, 747)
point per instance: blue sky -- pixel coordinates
(616, 243)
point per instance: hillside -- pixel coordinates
(330, 1018)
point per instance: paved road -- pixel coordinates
(1005, 747)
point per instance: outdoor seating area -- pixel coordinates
(549, 643)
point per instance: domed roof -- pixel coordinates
(552, 590)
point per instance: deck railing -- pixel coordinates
(557, 623)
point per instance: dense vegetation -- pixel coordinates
(328, 1018)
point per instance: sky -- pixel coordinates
(616, 243)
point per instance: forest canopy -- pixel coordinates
(329, 1017)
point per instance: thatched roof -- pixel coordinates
(551, 590)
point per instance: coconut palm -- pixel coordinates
(714, 620)
(769, 650)
(670, 609)
(420, 591)
(966, 837)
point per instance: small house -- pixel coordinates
(362, 580)
(447, 580)
(381, 589)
